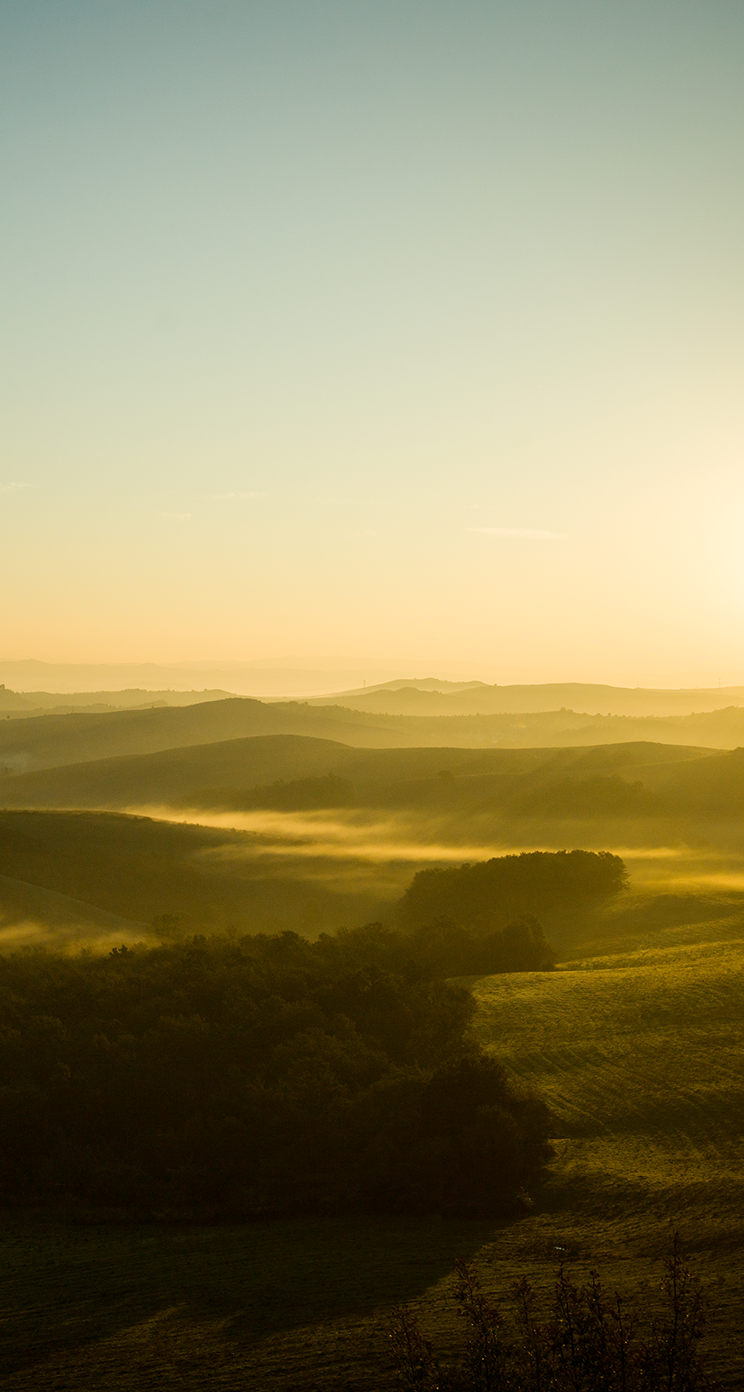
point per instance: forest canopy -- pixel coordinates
(266, 1075)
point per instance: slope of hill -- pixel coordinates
(720, 729)
(714, 790)
(11, 702)
(429, 781)
(31, 916)
(168, 775)
(48, 741)
(654, 1071)
(192, 878)
(649, 1105)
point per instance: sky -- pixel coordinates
(400, 328)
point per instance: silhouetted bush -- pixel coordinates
(588, 1343)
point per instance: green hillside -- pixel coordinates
(667, 1059)
(712, 788)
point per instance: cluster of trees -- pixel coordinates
(492, 892)
(589, 1342)
(267, 1075)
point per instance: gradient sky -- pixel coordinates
(394, 328)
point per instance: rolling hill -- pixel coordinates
(167, 775)
(48, 741)
(51, 740)
(427, 780)
(310, 870)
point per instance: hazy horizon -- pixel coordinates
(298, 676)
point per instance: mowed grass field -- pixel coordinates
(641, 1058)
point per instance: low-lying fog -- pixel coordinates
(110, 881)
(28, 933)
(389, 849)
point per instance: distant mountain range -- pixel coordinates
(435, 698)
(382, 687)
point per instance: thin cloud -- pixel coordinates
(345, 502)
(13, 487)
(526, 533)
(178, 516)
(230, 497)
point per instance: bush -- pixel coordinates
(589, 1343)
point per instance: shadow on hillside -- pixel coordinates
(66, 1286)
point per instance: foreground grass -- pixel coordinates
(641, 1057)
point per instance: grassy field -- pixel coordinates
(640, 1054)
(641, 1059)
